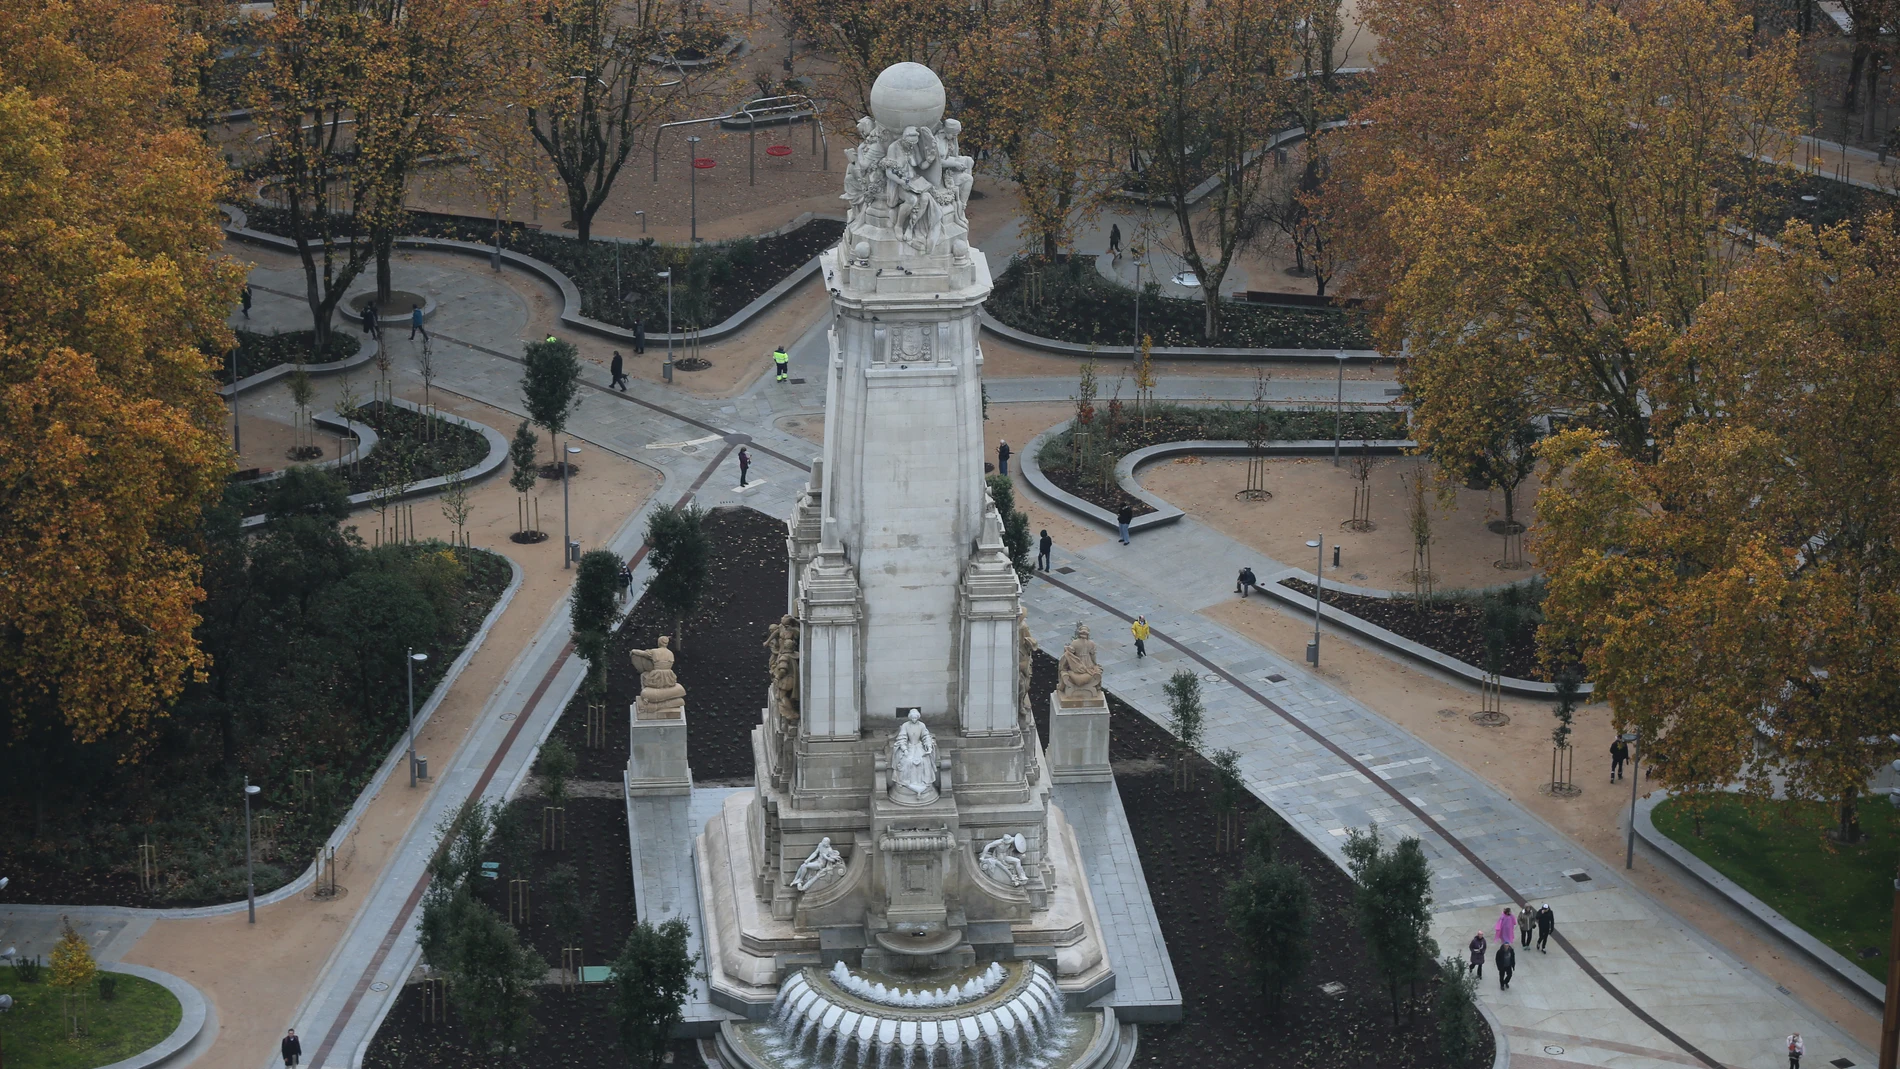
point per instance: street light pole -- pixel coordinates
(1339, 405)
(1629, 854)
(1136, 348)
(567, 539)
(250, 880)
(692, 183)
(1319, 577)
(410, 668)
(667, 368)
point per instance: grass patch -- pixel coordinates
(140, 1015)
(1778, 852)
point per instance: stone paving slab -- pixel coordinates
(662, 830)
(1145, 985)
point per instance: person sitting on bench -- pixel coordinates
(1245, 582)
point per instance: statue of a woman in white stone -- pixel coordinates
(914, 756)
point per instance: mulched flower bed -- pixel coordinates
(411, 447)
(1454, 625)
(1115, 422)
(721, 663)
(1225, 1024)
(256, 352)
(199, 834)
(710, 282)
(1072, 302)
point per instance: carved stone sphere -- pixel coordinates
(862, 250)
(959, 248)
(907, 94)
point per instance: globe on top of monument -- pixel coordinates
(907, 94)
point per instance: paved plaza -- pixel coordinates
(1627, 984)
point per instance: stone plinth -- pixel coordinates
(656, 761)
(1078, 741)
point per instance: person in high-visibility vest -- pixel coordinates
(1141, 632)
(781, 362)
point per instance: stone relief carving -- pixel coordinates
(1081, 677)
(661, 696)
(824, 863)
(781, 645)
(1001, 860)
(913, 762)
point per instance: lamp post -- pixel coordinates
(692, 184)
(666, 369)
(1339, 405)
(410, 667)
(1629, 854)
(567, 542)
(643, 221)
(6, 1003)
(1319, 576)
(250, 881)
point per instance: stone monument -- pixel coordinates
(900, 847)
(656, 757)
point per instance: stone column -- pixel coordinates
(989, 607)
(830, 610)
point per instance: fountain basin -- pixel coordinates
(1003, 1016)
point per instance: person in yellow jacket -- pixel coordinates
(1140, 628)
(781, 363)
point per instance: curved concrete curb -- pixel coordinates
(570, 294)
(1820, 953)
(1500, 1046)
(332, 367)
(191, 1019)
(1164, 513)
(1345, 621)
(366, 440)
(1065, 348)
(348, 823)
(497, 456)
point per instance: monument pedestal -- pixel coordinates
(656, 761)
(1078, 741)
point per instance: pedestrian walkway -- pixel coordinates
(1624, 984)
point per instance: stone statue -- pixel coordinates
(823, 863)
(947, 139)
(1001, 860)
(1025, 666)
(914, 760)
(661, 696)
(1081, 677)
(959, 178)
(855, 193)
(781, 644)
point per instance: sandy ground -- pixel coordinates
(256, 976)
(1311, 498)
(1516, 758)
(1017, 424)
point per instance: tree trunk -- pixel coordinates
(1862, 51)
(1049, 247)
(582, 218)
(1210, 298)
(1510, 504)
(385, 244)
(1849, 831)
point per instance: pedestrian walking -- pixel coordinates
(247, 300)
(1476, 968)
(1507, 964)
(1619, 753)
(1546, 924)
(291, 1048)
(1506, 927)
(1245, 582)
(639, 337)
(1002, 458)
(619, 372)
(745, 464)
(370, 328)
(625, 579)
(1796, 1049)
(781, 362)
(1115, 242)
(1140, 629)
(1527, 927)
(552, 339)
(1042, 550)
(415, 323)
(1122, 519)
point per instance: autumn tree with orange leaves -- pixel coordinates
(113, 292)
(1560, 177)
(1738, 598)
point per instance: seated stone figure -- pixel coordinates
(661, 696)
(824, 861)
(1001, 860)
(913, 761)
(1080, 677)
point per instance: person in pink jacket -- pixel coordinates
(1507, 926)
